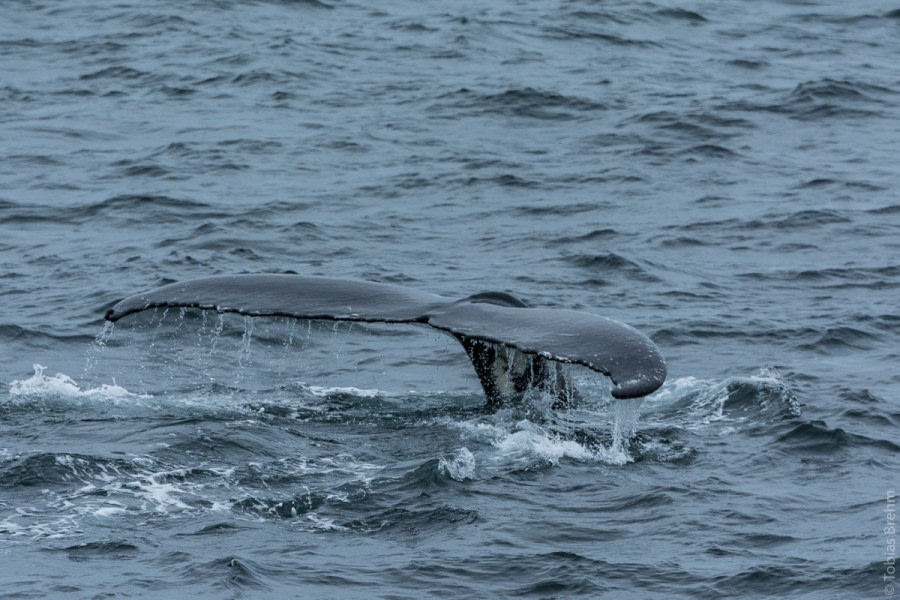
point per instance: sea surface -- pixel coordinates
(721, 175)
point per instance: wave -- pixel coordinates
(612, 263)
(823, 99)
(815, 437)
(809, 339)
(744, 63)
(17, 333)
(229, 573)
(107, 549)
(406, 521)
(119, 207)
(54, 470)
(874, 277)
(115, 72)
(841, 338)
(840, 89)
(680, 14)
(562, 210)
(798, 220)
(604, 37)
(747, 401)
(521, 102)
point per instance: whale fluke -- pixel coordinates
(510, 344)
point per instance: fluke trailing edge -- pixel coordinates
(511, 345)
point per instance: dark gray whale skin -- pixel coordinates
(629, 358)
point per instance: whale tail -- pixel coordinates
(512, 347)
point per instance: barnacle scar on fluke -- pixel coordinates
(511, 345)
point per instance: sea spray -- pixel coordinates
(97, 346)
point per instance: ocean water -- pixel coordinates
(720, 175)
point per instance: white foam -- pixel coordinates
(102, 494)
(525, 442)
(321, 392)
(324, 524)
(677, 387)
(41, 525)
(533, 441)
(460, 467)
(63, 386)
(160, 495)
(479, 431)
(115, 508)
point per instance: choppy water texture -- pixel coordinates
(721, 175)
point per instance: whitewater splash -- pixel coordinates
(460, 466)
(526, 442)
(63, 386)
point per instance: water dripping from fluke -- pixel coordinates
(97, 346)
(626, 414)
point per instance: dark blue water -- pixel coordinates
(721, 175)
